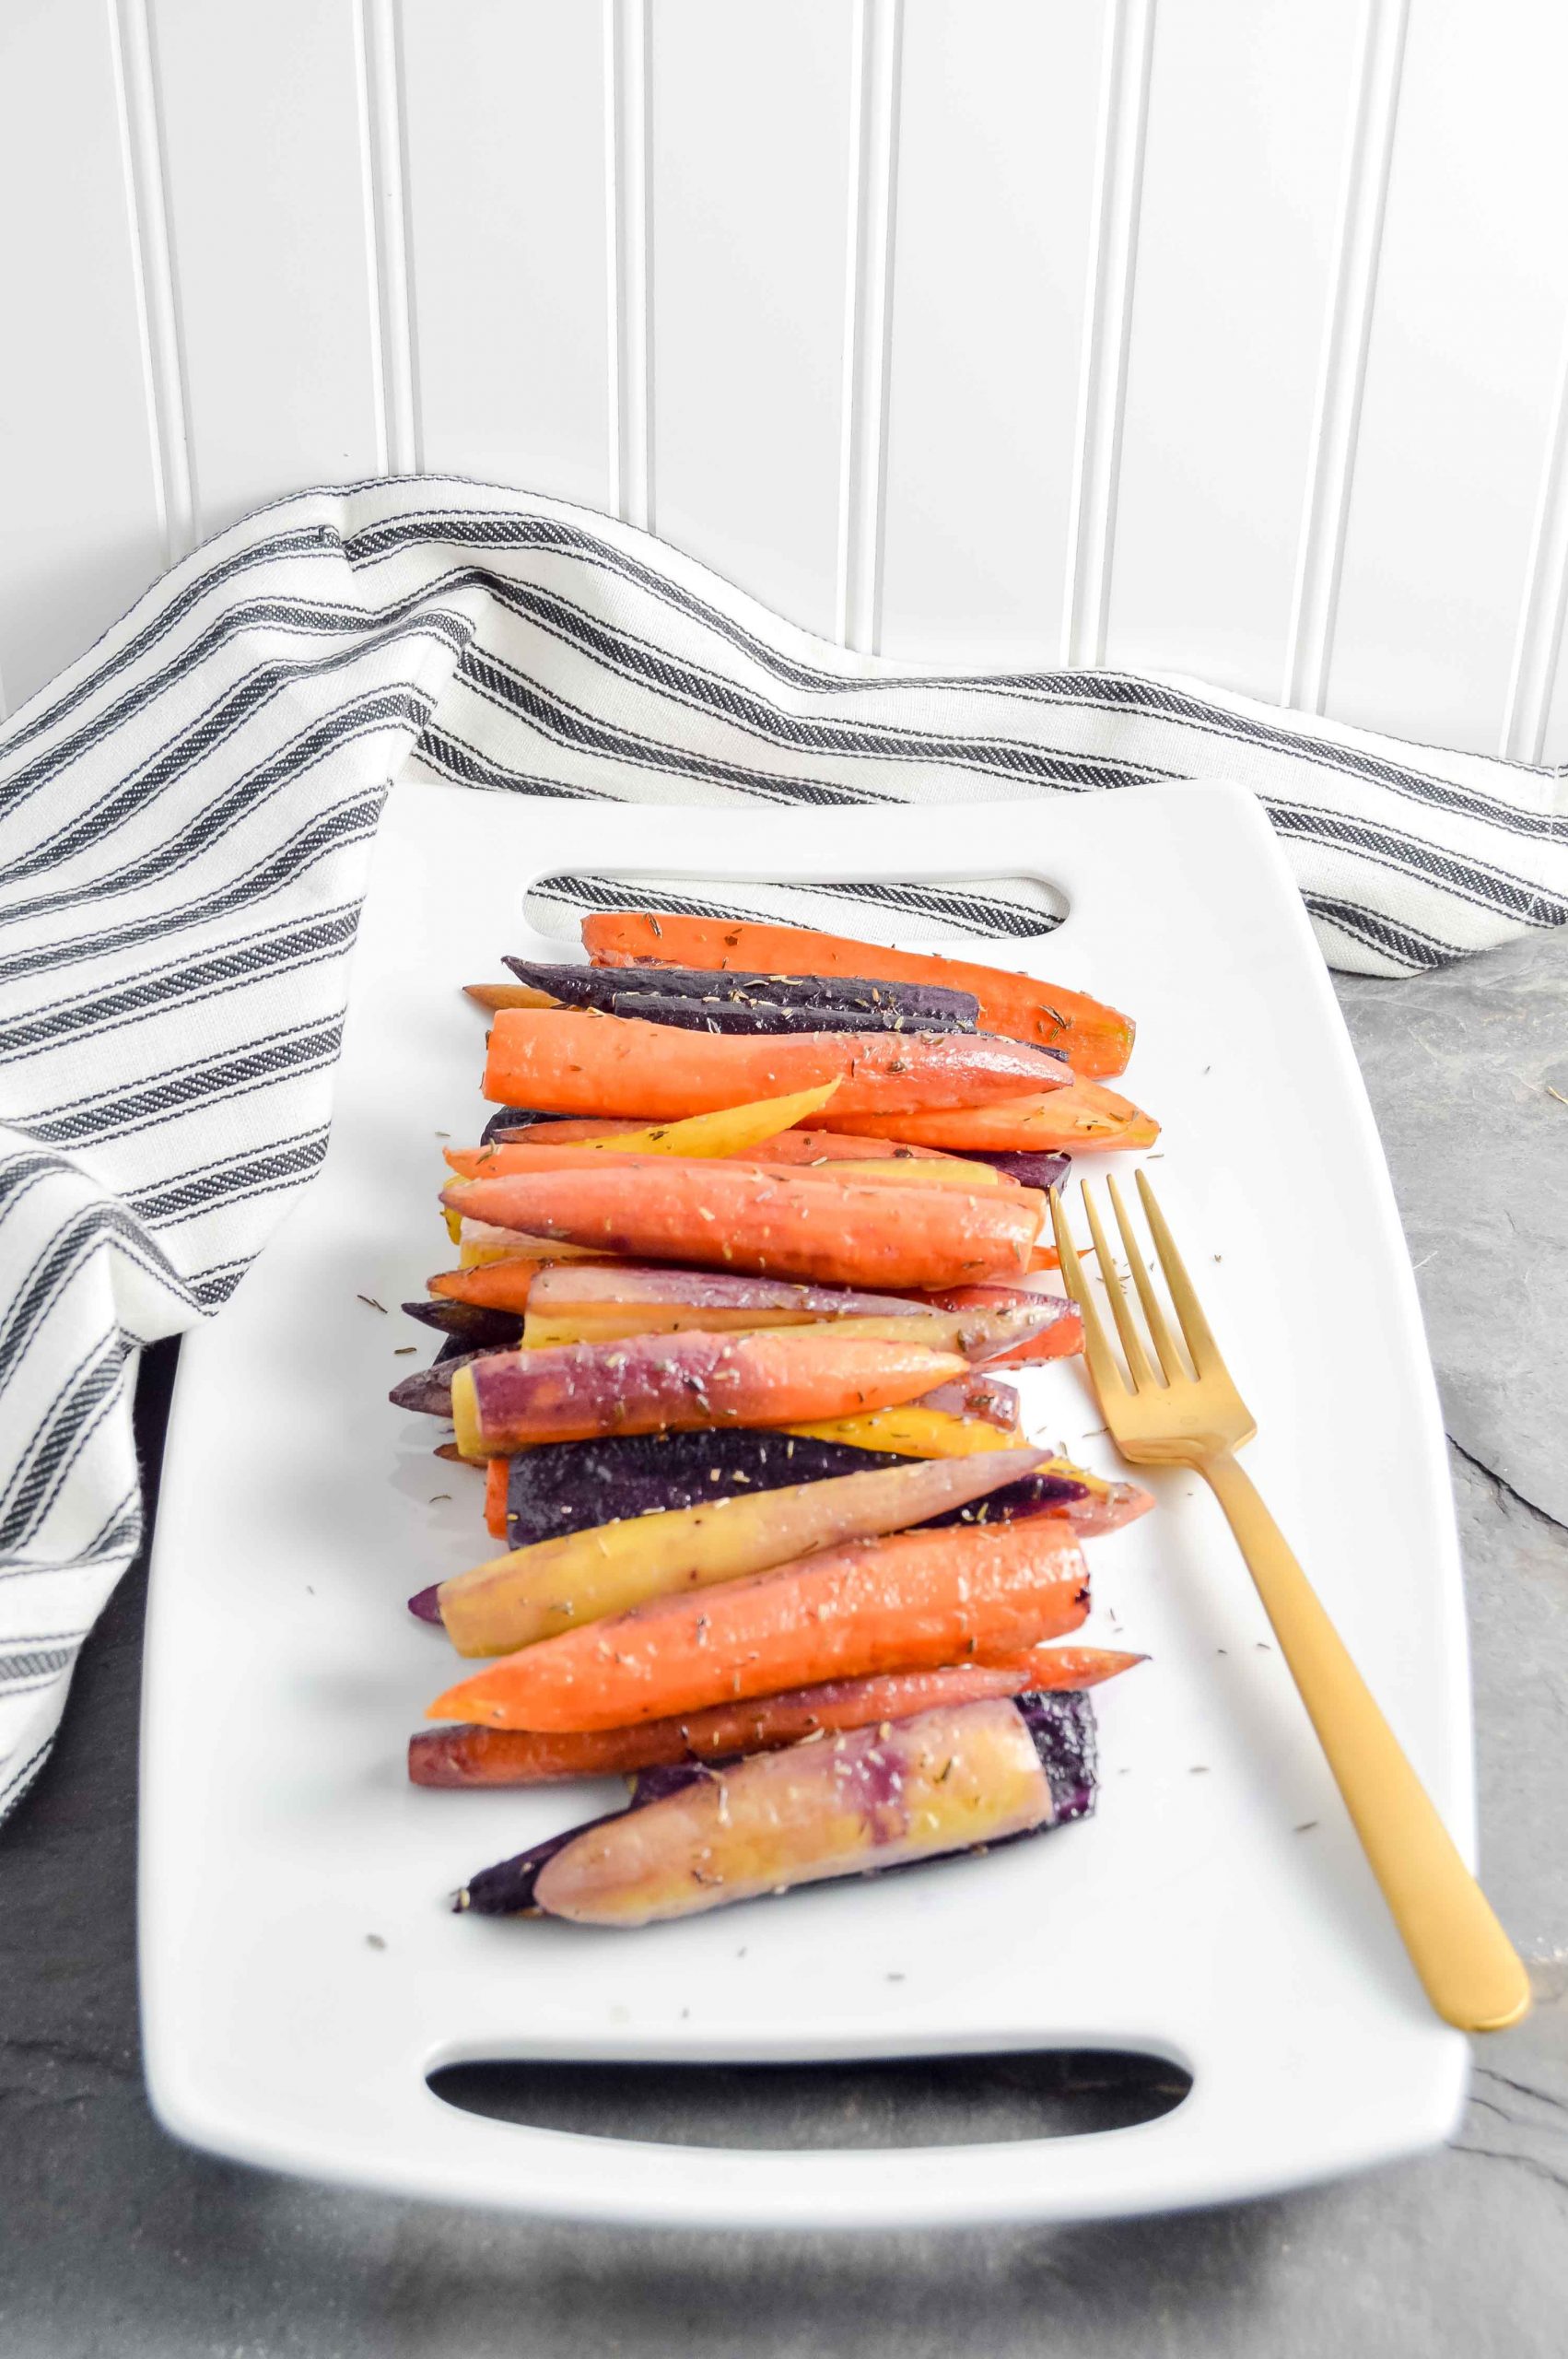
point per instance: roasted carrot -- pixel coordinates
(913, 1433)
(478, 1244)
(900, 1172)
(909, 1603)
(979, 1333)
(449, 1454)
(505, 1401)
(502, 1158)
(950, 1422)
(670, 1209)
(598, 1300)
(573, 1130)
(492, 1756)
(795, 1145)
(531, 1593)
(566, 1060)
(1106, 1506)
(498, 1280)
(495, 1475)
(813, 1150)
(735, 1129)
(816, 1147)
(500, 995)
(976, 1393)
(736, 1003)
(567, 1487)
(499, 1285)
(1061, 1339)
(1083, 1118)
(1097, 1039)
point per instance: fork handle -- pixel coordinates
(1468, 1968)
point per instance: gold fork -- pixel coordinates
(1468, 1968)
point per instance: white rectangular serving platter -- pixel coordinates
(1216, 1910)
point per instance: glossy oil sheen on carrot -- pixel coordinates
(767, 1225)
(568, 1061)
(919, 1600)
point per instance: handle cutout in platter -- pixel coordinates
(873, 2103)
(1007, 909)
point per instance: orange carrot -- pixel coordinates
(467, 1756)
(789, 1147)
(574, 1060)
(911, 1171)
(1061, 1341)
(495, 1478)
(498, 1286)
(500, 1156)
(645, 1384)
(1096, 1037)
(909, 1603)
(1081, 1118)
(736, 1131)
(670, 1209)
(570, 1130)
(835, 1146)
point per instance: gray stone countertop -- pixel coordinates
(114, 2240)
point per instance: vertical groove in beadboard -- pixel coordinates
(380, 69)
(876, 52)
(629, 155)
(1537, 648)
(1347, 337)
(1107, 324)
(157, 289)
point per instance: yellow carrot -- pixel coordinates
(914, 1433)
(730, 1132)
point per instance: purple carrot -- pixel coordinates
(474, 1327)
(1031, 1170)
(429, 1389)
(768, 1016)
(869, 1004)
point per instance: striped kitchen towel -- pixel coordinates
(185, 822)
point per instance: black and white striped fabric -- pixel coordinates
(185, 822)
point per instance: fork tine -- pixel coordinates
(1105, 1375)
(1159, 1327)
(1207, 1358)
(1138, 1365)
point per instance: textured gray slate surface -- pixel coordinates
(112, 2240)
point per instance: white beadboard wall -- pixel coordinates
(1221, 336)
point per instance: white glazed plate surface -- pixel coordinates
(1215, 1912)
